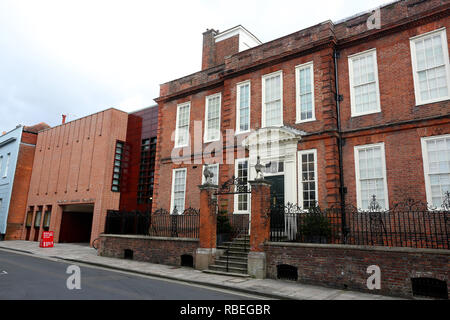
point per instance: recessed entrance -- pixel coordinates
(276, 189)
(76, 223)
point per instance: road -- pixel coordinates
(27, 277)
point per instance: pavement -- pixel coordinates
(269, 288)
(27, 277)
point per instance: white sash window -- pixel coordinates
(431, 69)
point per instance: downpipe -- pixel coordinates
(342, 189)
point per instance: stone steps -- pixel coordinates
(234, 248)
(241, 275)
(222, 261)
(236, 253)
(237, 259)
(236, 243)
(230, 269)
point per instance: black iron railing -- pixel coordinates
(230, 226)
(160, 223)
(407, 224)
(239, 224)
(185, 225)
(241, 235)
(399, 228)
(291, 223)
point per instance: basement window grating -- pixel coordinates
(287, 272)
(187, 260)
(128, 254)
(429, 287)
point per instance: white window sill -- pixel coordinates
(208, 141)
(364, 113)
(305, 121)
(421, 103)
(241, 132)
(274, 125)
(182, 146)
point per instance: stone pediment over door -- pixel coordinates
(272, 143)
(276, 144)
(272, 135)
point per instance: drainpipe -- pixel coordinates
(342, 188)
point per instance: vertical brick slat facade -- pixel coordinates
(73, 165)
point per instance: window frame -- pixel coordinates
(37, 218)
(278, 172)
(373, 52)
(177, 132)
(8, 159)
(205, 135)
(47, 218)
(300, 172)
(425, 164)
(357, 173)
(298, 106)
(211, 165)
(146, 170)
(119, 166)
(29, 217)
(238, 105)
(263, 97)
(236, 196)
(412, 45)
(172, 197)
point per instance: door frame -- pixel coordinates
(278, 175)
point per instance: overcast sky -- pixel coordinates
(80, 57)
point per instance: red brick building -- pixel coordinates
(76, 177)
(21, 177)
(86, 167)
(138, 182)
(337, 112)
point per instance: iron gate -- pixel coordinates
(232, 225)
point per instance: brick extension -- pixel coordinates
(73, 166)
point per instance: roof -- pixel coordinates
(37, 127)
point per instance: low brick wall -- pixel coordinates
(150, 249)
(345, 266)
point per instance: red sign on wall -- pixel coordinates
(46, 239)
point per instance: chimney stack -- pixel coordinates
(209, 49)
(217, 46)
(64, 118)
